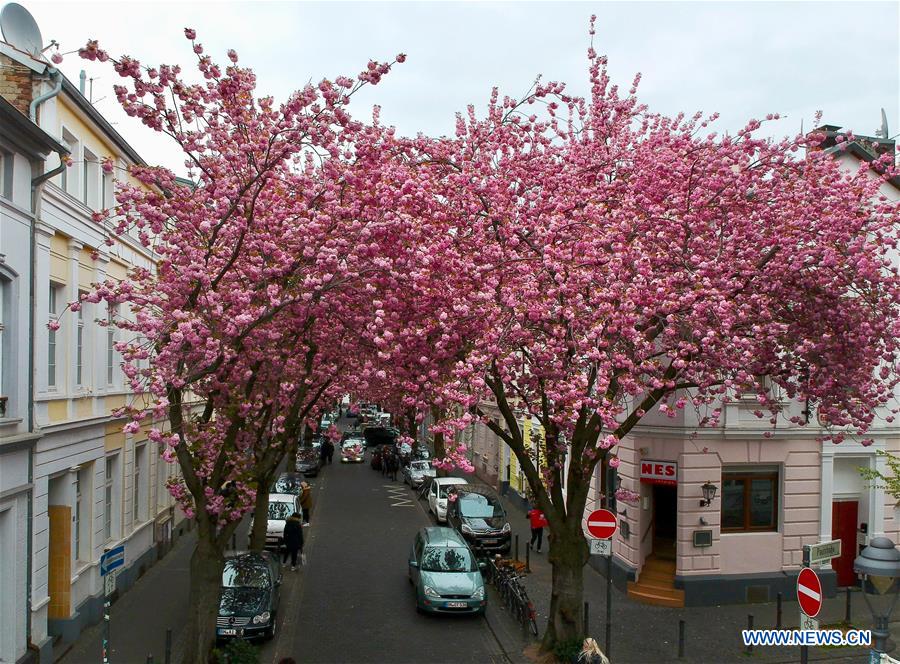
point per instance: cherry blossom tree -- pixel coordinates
(231, 331)
(632, 262)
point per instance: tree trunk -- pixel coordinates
(568, 555)
(207, 563)
(291, 463)
(260, 517)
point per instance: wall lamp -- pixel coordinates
(709, 493)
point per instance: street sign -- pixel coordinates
(112, 559)
(808, 624)
(824, 551)
(601, 524)
(809, 592)
(109, 584)
(601, 547)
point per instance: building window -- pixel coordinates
(51, 337)
(108, 504)
(110, 343)
(3, 359)
(81, 531)
(108, 190)
(140, 454)
(79, 350)
(749, 500)
(6, 174)
(67, 180)
(90, 176)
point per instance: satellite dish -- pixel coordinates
(20, 29)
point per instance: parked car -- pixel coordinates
(287, 483)
(281, 506)
(416, 472)
(445, 574)
(437, 495)
(352, 451)
(375, 435)
(478, 515)
(248, 601)
(308, 461)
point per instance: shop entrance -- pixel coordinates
(665, 520)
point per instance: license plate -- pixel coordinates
(491, 541)
(228, 632)
(456, 605)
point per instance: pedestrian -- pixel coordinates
(330, 451)
(305, 501)
(293, 540)
(538, 523)
(591, 653)
(394, 460)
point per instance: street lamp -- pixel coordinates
(879, 566)
(709, 492)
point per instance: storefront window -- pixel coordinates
(749, 500)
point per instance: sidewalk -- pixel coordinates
(140, 618)
(643, 633)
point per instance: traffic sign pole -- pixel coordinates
(804, 650)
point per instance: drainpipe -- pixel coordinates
(37, 101)
(37, 184)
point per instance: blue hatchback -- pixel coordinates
(445, 574)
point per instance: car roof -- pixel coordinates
(255, 556)
(442, 536)
(281, 498)
(449, 480)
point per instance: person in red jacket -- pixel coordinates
(538, 523)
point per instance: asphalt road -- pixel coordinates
(353, 602)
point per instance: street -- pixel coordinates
(355, 603)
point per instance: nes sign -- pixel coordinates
(659, 472)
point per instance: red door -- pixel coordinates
(844, 515)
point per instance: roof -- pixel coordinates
(443, 536)
(440, 481)
(27, 135)
(97, 118)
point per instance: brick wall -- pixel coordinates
(15, 83)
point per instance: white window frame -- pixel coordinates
(137, 504)
(67, 183)
(109, 498)
(52, 340)
(79, 347)
(90, 185)
(111, 313)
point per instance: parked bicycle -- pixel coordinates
(505, 575)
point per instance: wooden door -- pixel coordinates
(844, 522)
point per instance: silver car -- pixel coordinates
(416, 472)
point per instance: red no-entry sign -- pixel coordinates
(601, 524)
(809, 592)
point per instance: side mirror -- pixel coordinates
(413, 563)
(482, 565)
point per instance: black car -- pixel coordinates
(375, 436)
(478, 515)
(308, 461)
(248, 603)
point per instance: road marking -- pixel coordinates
(398, 495)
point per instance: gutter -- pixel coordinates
(37, 101)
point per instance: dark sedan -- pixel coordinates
(478, 515)
(248, 604)
(308, 462)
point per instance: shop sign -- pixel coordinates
(659, 472)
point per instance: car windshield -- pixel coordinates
(287, 485)
(420, 466)
(446, 488)
(280, 511)
(447, 559)
(244, 573)
(476, 506)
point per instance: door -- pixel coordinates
(844, 520)
(665, 520)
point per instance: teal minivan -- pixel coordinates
(446, 576)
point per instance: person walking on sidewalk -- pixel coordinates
(293, 540)
(305, 501)
(538, 523)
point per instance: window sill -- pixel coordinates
(8, 421)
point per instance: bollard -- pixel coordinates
(847, 607)
(680, 639)
(778, 611)
(150, 658)
(527, 559)
(749, 650)
(168, 646)
(587, 620)
(517, 548)
(234, 541)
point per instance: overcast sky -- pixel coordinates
(743, 60)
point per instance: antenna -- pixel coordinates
(20, 29)
(883, 132)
